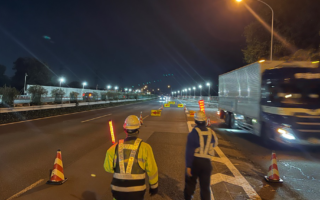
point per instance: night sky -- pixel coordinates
(126, 43)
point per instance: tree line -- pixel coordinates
(39, 73)
(297, 25)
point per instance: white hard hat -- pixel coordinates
(132, 122)
(200, 116)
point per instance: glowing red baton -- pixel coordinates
(112, 132)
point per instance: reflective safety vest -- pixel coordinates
(206, 150)
(129, 161)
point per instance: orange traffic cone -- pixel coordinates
(141, 120)
(208, 122)
(273, 173)
(57, 176)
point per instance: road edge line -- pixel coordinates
(26, 189)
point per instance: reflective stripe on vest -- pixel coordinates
(125, 174)
(202, 151)
(129, 189)
(129, 176)
(131, 158)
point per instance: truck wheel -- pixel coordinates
(227, 119)
(233, 122)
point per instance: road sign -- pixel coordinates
(167, 105)
(191, 112)
(156, 113)
(180, 105)
(171, 102)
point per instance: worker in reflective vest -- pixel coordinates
(199, 152)
(129, 160)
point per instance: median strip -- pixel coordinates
(95, 118)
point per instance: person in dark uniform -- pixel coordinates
(199, 152)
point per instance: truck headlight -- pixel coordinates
(286, 134)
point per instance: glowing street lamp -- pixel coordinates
(194, 91)
(109, 87)
(61, 80)
(116, 88)
(189, 90)
(84, 84)
(208, 84)
(272, 21)
(200, 86)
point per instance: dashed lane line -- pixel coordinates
(25, 189)
(236, 179)
(95, 118)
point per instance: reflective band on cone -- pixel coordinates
(57, 175)
(273, 173)
(208, 122)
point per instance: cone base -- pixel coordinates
(273, 181)
(56, 183)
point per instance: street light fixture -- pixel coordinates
(116, 88)
(61, 81)
(109, 87)
(208, 84)
(272, 21)
(189, 90)
(84, 84)
(200, 86)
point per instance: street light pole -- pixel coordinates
(200, 86)
(25, 83)
(194, 91)
(208, 84)
(272, 22)
(271, 46)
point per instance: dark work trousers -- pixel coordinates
(201, 168)
(128, 195)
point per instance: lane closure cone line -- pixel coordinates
(273, 173)
(57, 175)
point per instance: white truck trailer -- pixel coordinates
(276, 100)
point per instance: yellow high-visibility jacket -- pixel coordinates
(145, 159)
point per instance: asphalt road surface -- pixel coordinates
(28, 149)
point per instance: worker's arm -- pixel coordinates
(151, 165)
(109, 160)
(191, 147)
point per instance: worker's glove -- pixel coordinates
(153, 192)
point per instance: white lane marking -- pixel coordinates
(212, 197)
(26, 189)
(95, 118)
(238, 179)
(30, 120)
